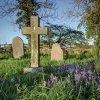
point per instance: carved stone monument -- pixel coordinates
(34, 30)
(18, 47)
(56, 52)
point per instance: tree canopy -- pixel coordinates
(65, 36)
(90, 13)
(24, 9)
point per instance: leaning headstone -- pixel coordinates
(18, 47)
(56, 52)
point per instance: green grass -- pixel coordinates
(9, 67)
(19, 86)
(72, 59)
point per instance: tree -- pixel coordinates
(63, 35)
(24, 9)
(91, 20)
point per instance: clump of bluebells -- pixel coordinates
(77, 72)
(84, 80)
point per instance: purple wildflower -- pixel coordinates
(49, 83)
(53, 78)
(77, 77)
(90, 74)
(84, 74)
(63, 68)
(71, 68)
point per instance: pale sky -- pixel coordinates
(8, 30)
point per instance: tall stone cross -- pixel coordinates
(34, 31)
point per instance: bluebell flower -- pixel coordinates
(53, 78)
(71, 68)
(90, 74)
(77, 76)
(49, 83)
(63, 67)
(85, 74)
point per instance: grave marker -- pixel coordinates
(56, 52)
(34, 30)
(18, 47)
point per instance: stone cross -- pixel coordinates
(34, 30)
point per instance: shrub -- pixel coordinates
(6, 55)
(66, 54)
(82, 55)
(97, 68)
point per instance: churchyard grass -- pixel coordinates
(51, 84)
(10, 67)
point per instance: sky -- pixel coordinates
(9, 30)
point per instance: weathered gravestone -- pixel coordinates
(18, 47)
(56, 52)
(34, 30)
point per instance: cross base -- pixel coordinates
(32, 70)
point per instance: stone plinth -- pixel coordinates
(32, 70)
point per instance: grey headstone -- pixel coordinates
(18, 47)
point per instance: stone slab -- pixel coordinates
(56, 52)
(18, 47)
(32, 70)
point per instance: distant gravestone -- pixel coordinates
(18, 47)
(56, 52)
